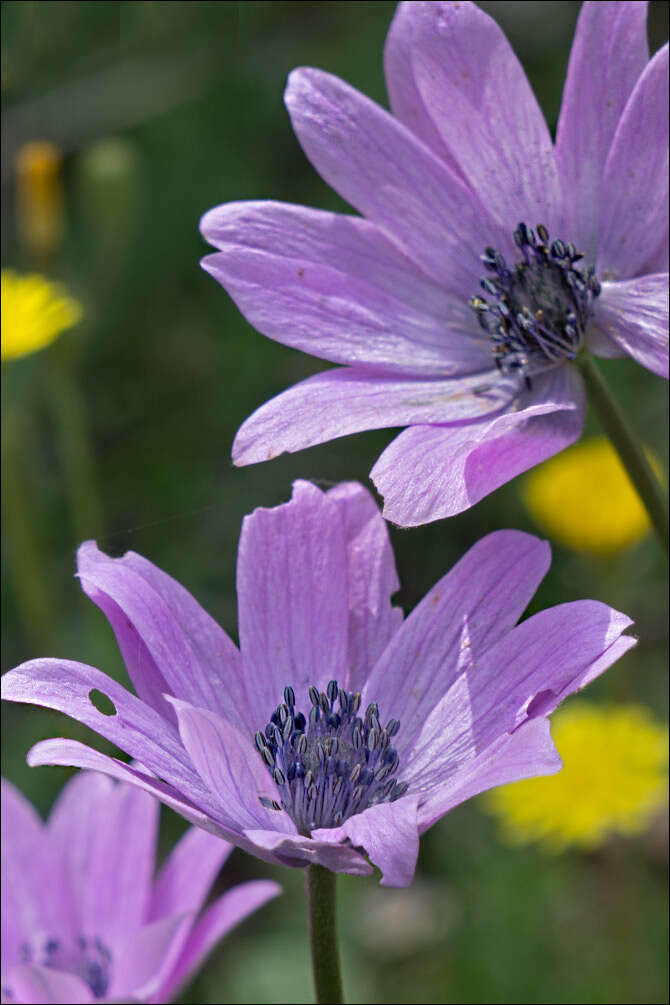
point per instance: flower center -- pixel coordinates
(536, 312)
(89, 959)
(332, 764)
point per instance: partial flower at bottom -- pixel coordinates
(83, 917)
(338, 732)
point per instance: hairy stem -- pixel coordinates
(627, 446)
(320, 885)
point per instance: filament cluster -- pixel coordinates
(535, 312)
(333, 762)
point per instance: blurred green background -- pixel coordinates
(165, 370)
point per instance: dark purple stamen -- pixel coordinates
(536, 312)
(89, 959)
(332, 764)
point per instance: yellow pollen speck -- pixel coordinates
(582, 498)
(34, 312)
(614, 779)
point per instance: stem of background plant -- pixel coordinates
(627, 446)
(320, 884)
(24, 551)
(74, 442)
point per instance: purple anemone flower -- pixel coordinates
(486, 260)
(84, 920)
(338, 732)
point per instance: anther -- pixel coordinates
(332, 767)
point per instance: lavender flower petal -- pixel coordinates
(465, 184)
(164, 635)
(146, 958)
(73, 754)
(430, 472)
(332, 774)
(106, 835)
(405, 99)
(608, 55)
(524, 675)
(390, 835)
(33, 893)
(185, 877)
(336, 287)
(389, 176)
(343, 401)
(634, 230)
(292, 597)
(464, 614)
(37, 985)
(634, 314)
(222, 916)
(134, 726)
(224, 759)
(371, 580)
(300, 851)
(527, 752)
(476, 94)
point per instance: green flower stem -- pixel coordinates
(33, 600)
(628, 448)
(320, 885)
(69, 414)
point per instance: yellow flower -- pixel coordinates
(34, 312)
(614, 779)
(583, 499)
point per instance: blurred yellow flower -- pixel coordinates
(583, 499)
(39, 198)
(34, 312)
(614, 779)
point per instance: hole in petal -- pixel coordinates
(540, 704)
(100, 701)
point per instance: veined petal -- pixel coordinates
(405, 99)
(371, 578)
(146, 957)
(431, 472)
(634, 315)
(292, 599)
(231, 769)
(389, 176)
(33, 985)
(133, 726)
(186, 876)
(222, 916)
(106, 834)
(524, 675)
(476, 95)
(71, 753)
(344, 401)
(388, 833)
(634, 187)
(165, 637)
(608, 55)
(467, 611)
(298, 851)
(336, 287)
(527, 752)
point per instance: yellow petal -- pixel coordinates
(34, 312)
(583, 499)
(614, 779)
